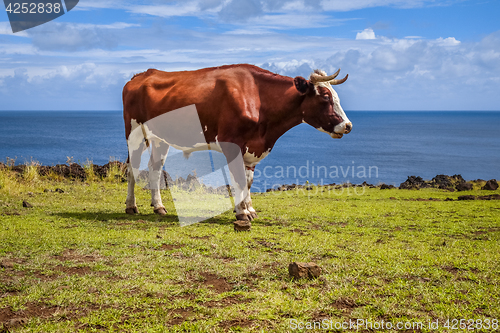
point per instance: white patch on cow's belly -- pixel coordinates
(187, 151)
(198, 147)
(136, 138)
(251, 160)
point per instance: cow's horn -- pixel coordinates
(335, 82)
(315, 77)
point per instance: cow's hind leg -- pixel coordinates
(131, 206)
(238, 176)
(159, 153)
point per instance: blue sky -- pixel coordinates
(400, 54)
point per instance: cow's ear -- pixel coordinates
(301, 84)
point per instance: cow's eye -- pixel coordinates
(326, 97)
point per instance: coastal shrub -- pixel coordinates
(2, 177)
(30, 173)
(116, 172)
(89, 171)
(51, 174)
(8, 181)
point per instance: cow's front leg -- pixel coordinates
(251, 210)
(158, 155)
(242, 213)
(248, 200)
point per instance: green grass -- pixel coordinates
(76, 262)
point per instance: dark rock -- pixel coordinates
(102, 171)
(458, 178)
(27, 204)
(18, 168)
(72, 171)
(59, 190)
(464, 187)
(77, 172)
(286, 187)
(491, 185)
(386, 187)
(242, 225)
(445, 182)
(413, 183)
(300, 270)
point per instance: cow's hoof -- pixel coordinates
(161, 211)
(253, 215)
(132, 210)
(244, 217)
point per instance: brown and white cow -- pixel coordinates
(241, 104)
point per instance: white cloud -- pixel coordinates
(116, 25)
(267, 23)
(450, 41)
(339, 5)
(411, 72)
(366, 34)
(77, 36)
(178, 9)
(419, 74)
(240, 10)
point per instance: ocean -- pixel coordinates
(382, 147)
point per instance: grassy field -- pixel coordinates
(76, 262)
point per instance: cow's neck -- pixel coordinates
(281, 106)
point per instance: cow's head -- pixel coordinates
(321, 106)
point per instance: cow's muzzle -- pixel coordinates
(348, 128)
(341, 129)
